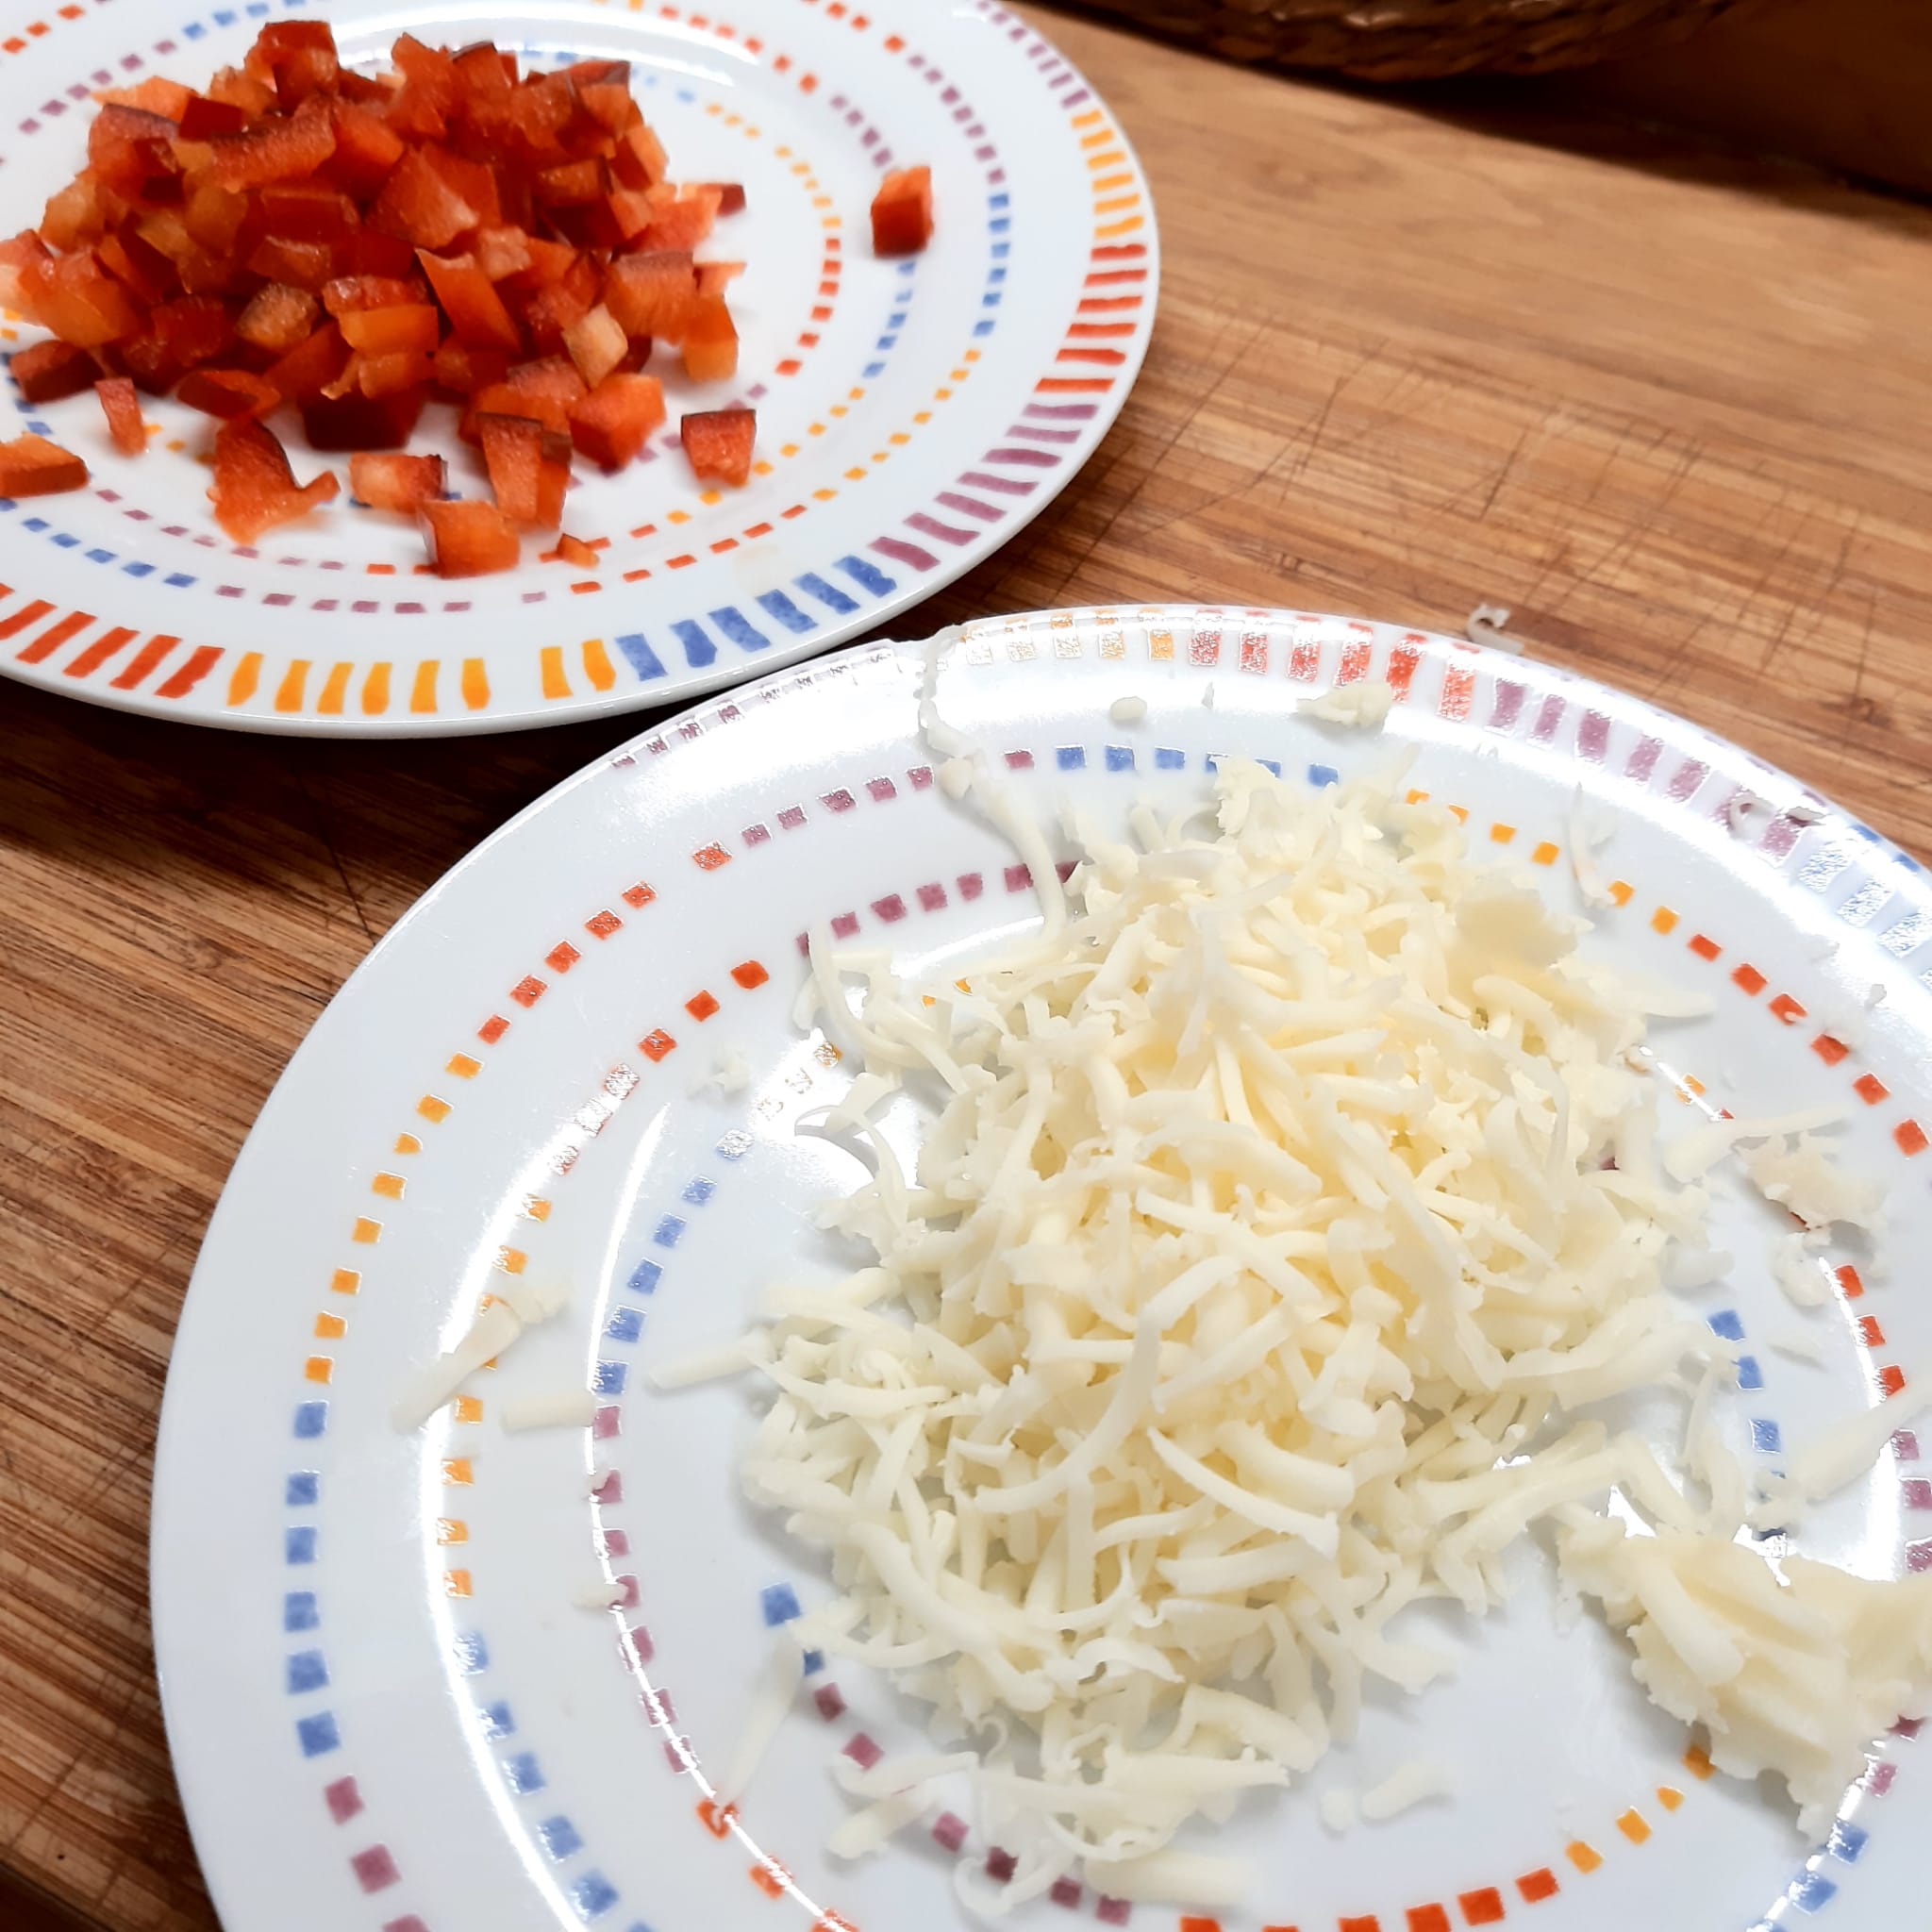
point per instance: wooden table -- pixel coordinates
(1677, 412)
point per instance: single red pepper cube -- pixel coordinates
(32, 466)
(613, 422)
(468, 540)
(122, 408)
(719, 442)
(387, 481)
(902, 212)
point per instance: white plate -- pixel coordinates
(912, 414)
(386, 1710)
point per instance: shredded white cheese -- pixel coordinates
(730, 1074)
(1339, 1809)
(1413, 1783)
(1267, 1211)
(1797, 1267)
(510, 1312)
(1365, 705)
(1797, 1171)
(1800, 1344)
(560, 1408)
(1486, 626)
(1292, 1189)
(1592, 825)
(1794, 1676)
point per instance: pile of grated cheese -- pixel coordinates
(1293, 1194)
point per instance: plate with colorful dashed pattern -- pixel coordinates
(390, 1710)
(912, 413)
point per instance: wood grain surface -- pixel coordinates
(1674, 413)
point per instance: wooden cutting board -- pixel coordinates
(1674, 410)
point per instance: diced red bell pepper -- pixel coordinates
(573, 551)
(714, 278)
(300, 57)
(468, 540)
(307, 211)
(348, 293)
(156, 95)
(502, 251)
(388, 331)
(575, 184)
(550, 312)
(550, 262)
(719, 442)
(310, 367)
(640, 160)
(413, 115)
(203, 118)
(279, 317)
(356, 421)
(631, 210)
(275, 150)
(590, 225)
(196, 329)
(127, 148)
(539, 114)
(363, 89)
(366, 149)
(397, 482)
(902, 212)
(123, 411)
(50, 370)
(711, 341)
(79, 214)
(419, 205)
(607, 103)
(485, 69)
(529, 467)
(254, 488)
(240, 90)
(226, 392)
(32, 466)
(302, 264)
(428, 67)
(653, 294)
(400, 369)
(469, 298)
(472, 182)
(513, 453)
(145, 358)
(73, 297)
(147, 276)
(685, 222)
(596, 344)
(282, 37)
(730, 197)
(19, 255)
(615, 421)
(598, 68)
(552, 378)
(464, 369)
(370, 252)
(213, 217)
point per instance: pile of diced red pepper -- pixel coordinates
(301, 234)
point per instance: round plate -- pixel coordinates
(912, 414)
(387, 1708)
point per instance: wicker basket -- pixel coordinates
(1420, 40)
